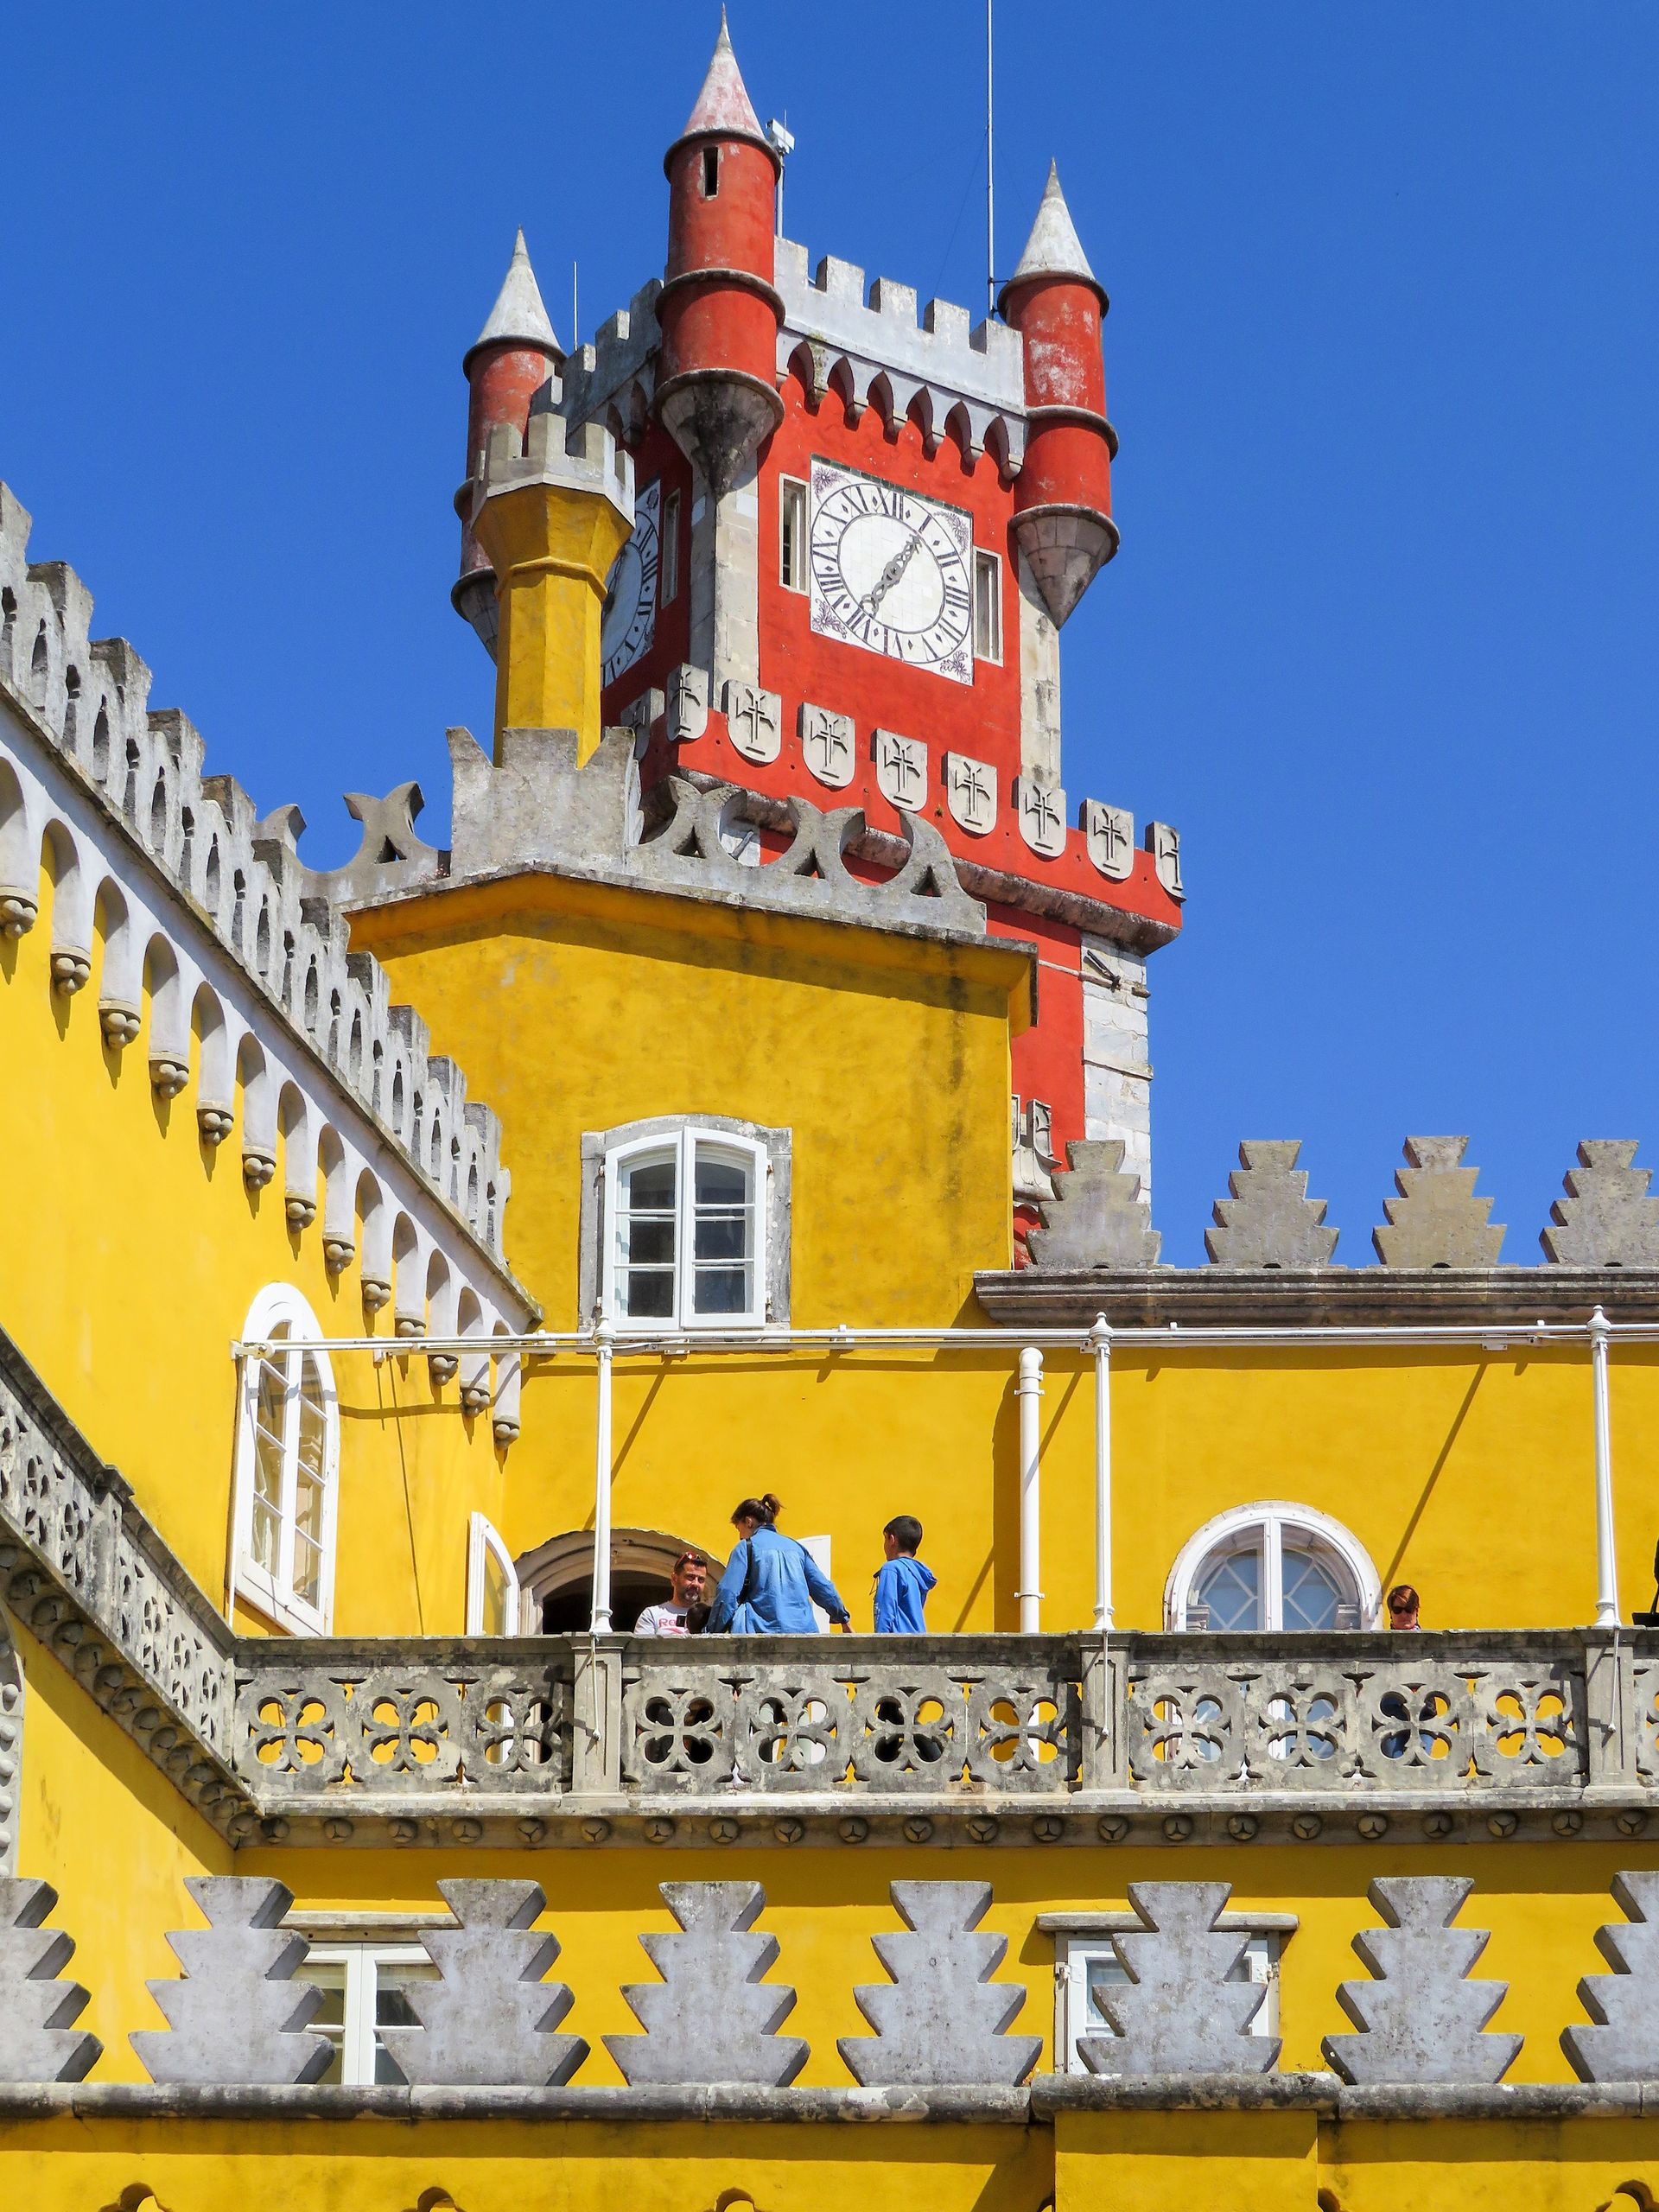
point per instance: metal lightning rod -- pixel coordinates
(990, 179)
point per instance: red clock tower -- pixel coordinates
(858, 532)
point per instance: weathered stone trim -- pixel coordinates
(1285, 1298)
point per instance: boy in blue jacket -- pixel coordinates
(902, 1586)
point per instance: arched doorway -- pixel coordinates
(557, 1578)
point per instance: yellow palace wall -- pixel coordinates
(132, 1251)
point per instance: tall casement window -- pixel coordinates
(363, 1989)
(988, 606)
(791, 535)
(686, 1224)
(287, 1467)
(1272, 1565)
(667, 555)
(492, 1582)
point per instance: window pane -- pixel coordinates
(330, 2019)
(648, 1241)
(721, 1182)
(722, 1235)
(307, 1570)
(393, 2010)
(1231, 1588)
(497, 1590)
(648, 1296)
(1312, 1592)
(722, 1290)
(648, 1184)
(988, 606)
(262, 1543)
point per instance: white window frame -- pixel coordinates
(275, 1596)
(988, 563)
(668, 552)
(484, 1543)
(1076, 1948)
(792, 574)
(683, 1144)
(362, 1963)
(1274, 1517)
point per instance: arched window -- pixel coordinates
(686, 1224)
(492, 1582)
(287, 1467)
(1272, 1565)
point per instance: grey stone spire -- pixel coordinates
(1421, 2020)
(37, 2043)
(1053, 248)
(237, 2015)
(1098, 1217)
(723, 108)
(1606, 1219)
(518, 317)
(1178, 2014)
(1623, 2045)
(710, 2018)
(1437, 1221)
(941, 2019)
(1269, 1221)
(487, 2023)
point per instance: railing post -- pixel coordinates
(1030, 1389)
(1101, 1337)
(1609, 1715)
(1607, 1548)
(604, 1338)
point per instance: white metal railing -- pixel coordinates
(607, 1341)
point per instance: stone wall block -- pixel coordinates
(237, 2017)
(488, 2022)
(941, 2019)
(1437, 1221)
(1624, 2044)
(710, 2018)
(1178, 2014)
(37, 2043)
(1421, 2020)
(1098, 1217)
(1269, 1221)
(1606, 1219)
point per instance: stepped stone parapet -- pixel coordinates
(1623, 2043)
(1098, 1217)
(941, 2019)
(38, 2041)
(237, 2015)
(1437, 1221)
(488, 2022)
(1421, 2020)
(1180, 2011)
(1606, 1218)
(1269, 1221)
(711, 2018)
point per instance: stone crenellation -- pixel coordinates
(239, 871)
(1421, 2017)
(968, 382)
(1434, 1219)
(617, 369)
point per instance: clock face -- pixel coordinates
(630, 620)
(892, 572)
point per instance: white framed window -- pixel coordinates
(791, 534)
(1272, 1565)
(287, 1473)
(363, 1987)
(492, 1582)
(1087, 1968)
(668, 553)
(684, 1245)
(988, 606)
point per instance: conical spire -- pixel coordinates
(518, 318)
(1053, 248)
(723, 108)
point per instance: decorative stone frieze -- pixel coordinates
(828, 744)
(1437, 1221)
(1623, 2045)
(1108, 839)
(711, 2018)
(489, 2020)
(1098, 1217)
(237, 2015)
(1269, 1221)
(941, 2019)
(688, 703)
(1039, 809)
(901, 769)
(1165, 846)
(755, 722)
(970, 793)
(1606, 1218)
(1421, 2018)
(37, 2040)
(1180, 2012)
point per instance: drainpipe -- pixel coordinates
(1101, 1337)
(1606, 1556)
(1030, 1389)
(604, 1337)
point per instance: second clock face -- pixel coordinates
(892, 572)
(630, 618)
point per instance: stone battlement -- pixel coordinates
(617, 369)
(239, 872)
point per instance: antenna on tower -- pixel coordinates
(781, 139)
(990, 178)
(575, 320)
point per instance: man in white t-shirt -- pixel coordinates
(690, 1587)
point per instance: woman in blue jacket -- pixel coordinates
(770, 1582)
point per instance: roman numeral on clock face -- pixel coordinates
(889, 570)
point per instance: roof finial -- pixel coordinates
(518, 316)
(724, 107)
(1053, 248)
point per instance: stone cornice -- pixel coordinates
(1290, 1298)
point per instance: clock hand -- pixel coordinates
(890, 575)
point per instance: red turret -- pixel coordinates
(717, 383)
(1063, 497)
(505, 367)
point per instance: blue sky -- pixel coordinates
(1381, 637)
